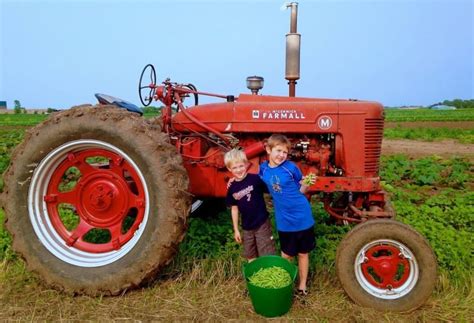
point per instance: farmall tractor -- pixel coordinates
(97, 197)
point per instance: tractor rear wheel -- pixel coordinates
(386, 265)
(96, 200)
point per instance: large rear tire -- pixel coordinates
(386, 265)
(96, 201)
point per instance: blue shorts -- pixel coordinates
(293, 243)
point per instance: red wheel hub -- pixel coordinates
(103, 197)
(385, 267)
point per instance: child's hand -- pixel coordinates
(237, 237)
(230, 182)
(309, 179)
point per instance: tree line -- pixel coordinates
(460, 104)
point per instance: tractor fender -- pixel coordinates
(111, 100)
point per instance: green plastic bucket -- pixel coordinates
(270, 302)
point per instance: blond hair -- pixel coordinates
(278, 139)
(234, 156)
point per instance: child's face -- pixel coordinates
(277, 155)
(238, 170)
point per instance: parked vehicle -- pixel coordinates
(97, 197)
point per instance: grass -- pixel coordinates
(391, 115)
(198, 287)
(465, 136)
(21, 119)
(9, 138)
(208, 295)
(404, 115)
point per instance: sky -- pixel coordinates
(57, 54)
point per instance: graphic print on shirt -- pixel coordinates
(275, 181)
(245, 192)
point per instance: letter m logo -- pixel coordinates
(324, 122)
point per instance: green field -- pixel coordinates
(465, 136)
(404, 115)
(391, 115)
(434, 195)
(21, 119)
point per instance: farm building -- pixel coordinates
(3, 105)
(442, 107)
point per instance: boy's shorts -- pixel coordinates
(258, 242)
(293, 243)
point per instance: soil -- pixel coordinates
(416, 149)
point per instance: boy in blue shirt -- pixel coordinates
(293, 216)
(245, 195)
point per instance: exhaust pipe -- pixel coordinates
(293, 45)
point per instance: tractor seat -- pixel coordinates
(108, 99)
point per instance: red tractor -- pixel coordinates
(104, 171)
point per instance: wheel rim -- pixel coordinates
(196, 205)
(386, 269)
(107, 208)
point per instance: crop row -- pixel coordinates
(404, 115)
(431, 194)
(465, 136)
(391, 115)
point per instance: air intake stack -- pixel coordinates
(293, 44)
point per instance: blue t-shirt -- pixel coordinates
(247, 194)
(292, 209)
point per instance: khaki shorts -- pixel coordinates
(258, 242)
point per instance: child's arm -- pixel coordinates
(303, 188)
(303, 181)
(235, 222)
(230, 182)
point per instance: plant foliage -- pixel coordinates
(404, 115)
(432, 194)
(430, 134)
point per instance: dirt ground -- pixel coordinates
(415, 149)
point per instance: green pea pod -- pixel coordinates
(309, 179)
(271, 277)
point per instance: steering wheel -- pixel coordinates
(149, 87)
(192, 88)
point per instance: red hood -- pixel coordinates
(258, 113)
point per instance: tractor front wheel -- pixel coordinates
(96, 200)
(386, 265)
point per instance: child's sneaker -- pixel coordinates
(302, 292)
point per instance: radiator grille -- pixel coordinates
(373, 145)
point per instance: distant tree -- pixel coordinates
(460, 104)
(17, 106)
(51, 110)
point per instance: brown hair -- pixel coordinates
(278, 139)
